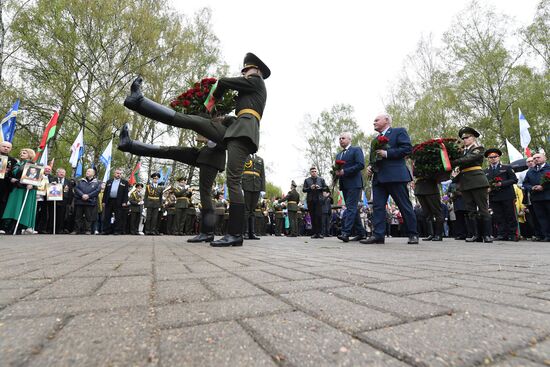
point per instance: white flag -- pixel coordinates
(513, 153)
(524, 136)
(77, 149)
(105, 159)
(44, 157)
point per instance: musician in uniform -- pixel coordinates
(182, 202)
(253, 184)
(292, 198)
(153, 203)
(136, 207)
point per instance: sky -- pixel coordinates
(323, 53)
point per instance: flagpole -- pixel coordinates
(54, 215)
(21, 211)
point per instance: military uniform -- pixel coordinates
(253, 182)
(182, 203)
(292, 199)
(153, 203)
(259, 220)
(190, 216)
(279, 218)
(473, 186)
(170, 207)
(426, 190)
(501, 198)
(219, 211)
(136, 207)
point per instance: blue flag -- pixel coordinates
(78, 169)
(7, 124)
(224, 191)
(365, 201)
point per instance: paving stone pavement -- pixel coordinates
(159, 301)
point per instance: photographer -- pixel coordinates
(314, 187)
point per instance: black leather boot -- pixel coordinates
(251, 234)
(145, 107)
(430, 226)
(487, 230)
(207, 227)
(438, 231)
(471, 228)
(135, 147)
(234, 228)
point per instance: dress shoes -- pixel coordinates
(437, 238)
(343, 238)
(429, 238)
(252, 236)
(228, 240)
(372, 241)
(202, 237)
(501, 238)
(413, 240)
(356, 238)
(315, 236)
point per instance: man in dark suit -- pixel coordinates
(115, 199)
(502, 196)
(351, 184)
(390, 176)
(314, 187)
(540, 194)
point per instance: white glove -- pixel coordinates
(211, 144)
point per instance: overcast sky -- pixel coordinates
(323, 53)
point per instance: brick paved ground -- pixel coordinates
(158, 301)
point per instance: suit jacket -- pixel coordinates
(393, 167)
(355, 162)
(314, 194)
(122, 192)
(68, 192)
(506, 191)
(532, 178)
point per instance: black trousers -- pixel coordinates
(84, 216)
(504, 216)
(431, 204)
(134, 222)
(315, 211)
(111, 208)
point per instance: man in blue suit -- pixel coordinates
(390, 176)
(540, 194)
(351, 184)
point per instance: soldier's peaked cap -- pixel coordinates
(139, 185)
(493, 150)
(293, 184)
(156, 174)
(253, 61)
(467, 130)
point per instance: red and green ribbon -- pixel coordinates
(444, 156)
(210, 101)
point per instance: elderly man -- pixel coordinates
(351, 184)
(314, 187)
(540, 193)
(390, 176)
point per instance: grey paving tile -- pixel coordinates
(8, 296)
(21, 283)
(216, 344)
(222, 310)
(543, 295)
(403, 307)
(185, 290)
(302, 285)
(117, 285)
(517, 362)
(71, 306)
(100, 339)
(297, 339)
(231, 287)
(67, 287)
(340, 313)
(21, 339)
(290, 273)
(258, 276)
(410, 286)
(536, 320)
(537, 352)
(441, 341)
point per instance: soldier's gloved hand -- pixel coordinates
(262, 194)
(133, 100)
(211, 144)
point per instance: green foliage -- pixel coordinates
(272, 191)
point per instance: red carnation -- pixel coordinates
(382, 140)
(547, 174)
(340, 162)
(498, 179)
(199, 94)
(173, 104)
(186, 103)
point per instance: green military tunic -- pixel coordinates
(135, 199)
(279, 218)
(190, 216)
(219, 211)
(253, 182)
(182, 203)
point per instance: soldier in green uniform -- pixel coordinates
(136, 207)
(210, 158)
(259, 220)
(253, 183)
(473, 185)
(153, 203)
(240, 135)
(279, 217)
(190, 215)
(170, 207)
(426, 190)
(182, 202)
(220, 213)
(292, 199)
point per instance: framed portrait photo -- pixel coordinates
(32, 174)
(3, 165)
(54, 192)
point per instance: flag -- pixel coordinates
(225, 191)
(49, 133)
(341, 200)
(7, 125)
(78, 171)
(164, 174)
(52, 162)
(513, 153)
(209, 102)
(105, 159)
(524, 136)
(134, 176)
(365, 201)
(44, 157)
(77, 149)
